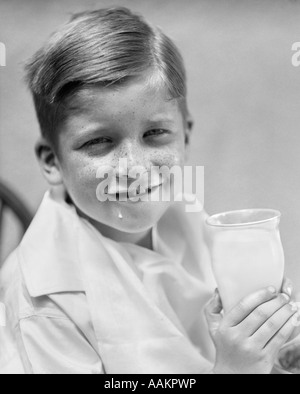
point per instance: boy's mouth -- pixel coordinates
(124, 196)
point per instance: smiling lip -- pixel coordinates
(125, 194)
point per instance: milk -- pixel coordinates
(246, 260)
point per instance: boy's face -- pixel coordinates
(135, 121)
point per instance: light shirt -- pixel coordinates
(80, 303)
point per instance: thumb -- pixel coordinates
(213, 313)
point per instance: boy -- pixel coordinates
(119, 286)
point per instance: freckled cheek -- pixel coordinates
(82, 175)
(169, 158)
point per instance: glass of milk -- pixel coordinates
(247, 253)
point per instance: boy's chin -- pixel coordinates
(135, 221)
(132, 227)
(133, 224)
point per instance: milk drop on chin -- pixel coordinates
(245, 262)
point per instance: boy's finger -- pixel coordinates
(273, 327)
(262, 314)
(214, 306)
(281, 337)
(248, 305)
(213, 312)
(287, 287)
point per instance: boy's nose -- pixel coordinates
(130, 158)
(129, 169)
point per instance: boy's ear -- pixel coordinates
(188, 129)
(48, 162)
(188, 133)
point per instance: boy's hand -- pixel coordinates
(287, 287)
(248, 339)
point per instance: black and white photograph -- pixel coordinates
(149, 189)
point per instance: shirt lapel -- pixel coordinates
(47, 254)
(133, 334)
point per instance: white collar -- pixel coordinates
(48, 253)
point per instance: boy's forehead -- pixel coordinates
(133, 97)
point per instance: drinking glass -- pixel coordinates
(247, 253)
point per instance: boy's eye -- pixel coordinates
(156, 132)
(96, 141)
(104, 140)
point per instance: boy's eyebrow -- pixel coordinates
(161, 120)
(91, 130)
(98, 127)
(105, 126)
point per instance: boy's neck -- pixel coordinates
(143, 239)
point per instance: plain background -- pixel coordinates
(244, 95)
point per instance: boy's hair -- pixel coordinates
(102, 47)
